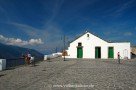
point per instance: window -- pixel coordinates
(87, 35)
(79, 44)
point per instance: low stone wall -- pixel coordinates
(51, 56)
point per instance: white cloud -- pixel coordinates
(31, 31)
(127, 34)
(120, 8)
(125, 6)
(19, 42)
(35, 41)
(49, 33)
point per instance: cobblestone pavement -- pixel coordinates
(79, 74)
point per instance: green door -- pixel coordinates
(79, 52)
(110, 52)
(97, 52)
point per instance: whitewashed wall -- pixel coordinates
(89, 44)
(123, 48)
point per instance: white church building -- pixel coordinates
(91, 46)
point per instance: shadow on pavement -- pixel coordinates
(1, 75)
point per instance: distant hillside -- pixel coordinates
(9, 52)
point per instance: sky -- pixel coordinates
(41, 24)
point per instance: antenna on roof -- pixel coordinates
(87, 30)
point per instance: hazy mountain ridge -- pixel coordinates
(11, 52)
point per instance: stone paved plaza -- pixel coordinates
(79, 74)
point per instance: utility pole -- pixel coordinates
(64, 45)
(56, 50)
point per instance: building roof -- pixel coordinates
(84, 34)
(99, 38)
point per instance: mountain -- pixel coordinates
(11, 52)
